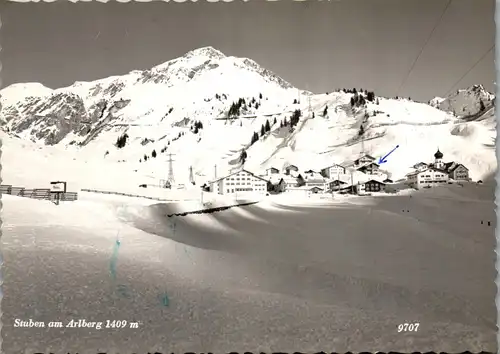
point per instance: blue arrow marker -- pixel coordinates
(383, 159)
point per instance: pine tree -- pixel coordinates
(267, 126)
(260, 95)
(121, 141)
(361, 130)
(153, 153)
(281, 124)
(243, 156)
(325, 111)
(262, 130)
(274, 122)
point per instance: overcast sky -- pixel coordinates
(314, 45)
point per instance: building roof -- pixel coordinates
(419, 164)
(315, 180)
(347, 163)
(365, 155)
(315, 187)
(374, 180)
(336, 180)
(438, 154)
(332, 165)
(235, 172)
(272, 168)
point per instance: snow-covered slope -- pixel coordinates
(181, 108)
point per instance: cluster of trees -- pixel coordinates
(254, 103)
(220, 97)
(196, 127)
(235, 108)
(264, 128)
(121, 141)
(357, 100)
(162, 151)
(146, 157)
(294, 119)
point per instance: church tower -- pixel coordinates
(438, 160)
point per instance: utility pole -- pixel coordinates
(310, 108)
(171, 178)
(352, 183)
(191, 177)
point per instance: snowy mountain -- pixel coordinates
(464, 103)
(182, 107)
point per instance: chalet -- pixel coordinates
(388, 180)
(288, 169)
(293, 182)
(276, 184)
(314, 179)
(420, 166)
(316, 190)
(271, 171)
(335, 185)
(333, 171)
(457, 171)
(429, 177)
(364, 159)
(369, 168)
(374, 186)
(239, 181)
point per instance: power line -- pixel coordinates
(470, 69)
(423, 47)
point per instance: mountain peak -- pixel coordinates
(208, 52)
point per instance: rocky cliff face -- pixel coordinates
(52, 118)
(467, 103)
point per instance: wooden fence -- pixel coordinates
(38, 193)
(125, 194)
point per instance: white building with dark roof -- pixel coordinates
(333, 171)
(436, 173)
(241, 181)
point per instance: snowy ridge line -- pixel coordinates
(126, 194)
(211, 210)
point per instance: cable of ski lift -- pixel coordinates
(423, 47)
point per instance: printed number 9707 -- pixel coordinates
(408, 327)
